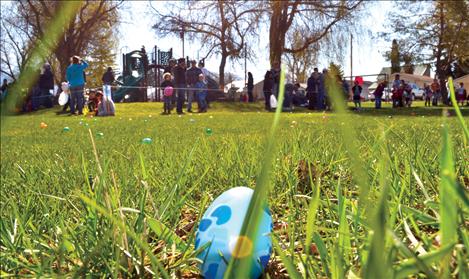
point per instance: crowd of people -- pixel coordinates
(188, 85)
(402, 93)
(317, 98)
(99, 102)
(183, 84)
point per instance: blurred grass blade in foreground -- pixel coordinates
(240, 268)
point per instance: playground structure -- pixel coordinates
(138, 74)
(140, 80)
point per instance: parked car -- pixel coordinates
(386, 94)
(417, 92)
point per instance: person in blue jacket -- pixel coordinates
(75, 77)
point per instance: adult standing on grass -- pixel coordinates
(75, 77)
(276, 78)
(107, 79)
(181, 85)
(312, 89)
(192, 77)
(267, 88)
(46, 80)
(4, 89)
(321, 99)
(46, 84)
(250, 86)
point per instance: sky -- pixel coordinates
(136, 31)
(137, 19)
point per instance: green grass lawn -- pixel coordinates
(132, 209)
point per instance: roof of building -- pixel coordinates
(421, 70)
(464, 79)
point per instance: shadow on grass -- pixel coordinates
(412, 111)
(367, 109)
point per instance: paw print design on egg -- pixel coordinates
(219, 232)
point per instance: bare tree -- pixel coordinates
(222, 27)
(300, 62)
(316, 18)
(15, 45)
(27, 21)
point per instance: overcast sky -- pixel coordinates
(136, 31)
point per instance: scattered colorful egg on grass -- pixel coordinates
(66, 129)
(100, 135)
(211, 116)
(208, 131)
(43, 125)
(192, 120)
(221, 226)
(147, 141)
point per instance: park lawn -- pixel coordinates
(65, 211)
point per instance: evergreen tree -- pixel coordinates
(395, 58)
(435, 32)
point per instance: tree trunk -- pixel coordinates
(440, 68)
(221, 71)
(277, 30)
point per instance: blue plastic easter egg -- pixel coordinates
(221, 226)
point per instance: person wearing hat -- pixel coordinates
(192, 77)
(181, 84)
(75, 76)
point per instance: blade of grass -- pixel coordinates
(240, 268)
(154, 261)
(448, 200)
(377, 253)
(410, 266)
(292, 272)
(458, 111)
(312, 211)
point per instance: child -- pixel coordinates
(93, 101)
(461, 94)
(201, 86)
(408, 95)
(105, 105)
(428, 95)
(168, 89)
(357, 91)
